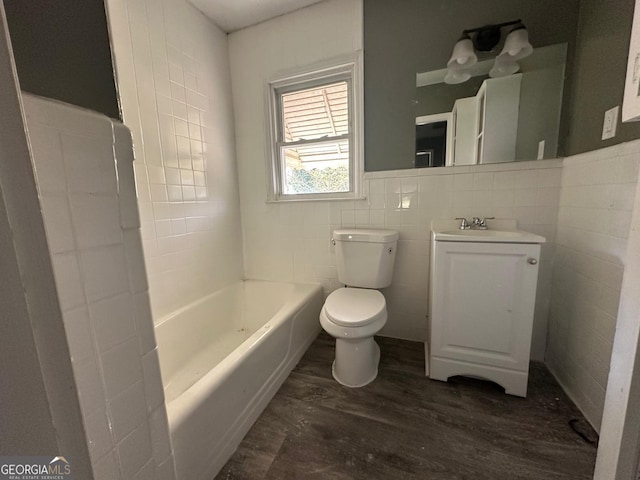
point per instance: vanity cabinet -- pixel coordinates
(482, 300)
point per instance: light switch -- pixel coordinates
(540, 149)
(610, 123)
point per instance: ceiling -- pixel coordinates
(233, 15)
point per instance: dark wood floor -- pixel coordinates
(405, 426)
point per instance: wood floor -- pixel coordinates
(405, 426)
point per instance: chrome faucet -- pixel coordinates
(480, 223)
(464, 224)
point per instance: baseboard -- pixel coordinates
(569, 394)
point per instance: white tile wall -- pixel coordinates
(92, 228)
(174, 86)
(291, 242)
(597, 195)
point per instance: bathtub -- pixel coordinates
(223, 358)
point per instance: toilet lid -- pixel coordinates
(352, 307)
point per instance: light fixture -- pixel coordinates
(462, 58)
(516, 45)
(463, 55)
(485, 39)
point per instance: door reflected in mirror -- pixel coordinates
(434, 140)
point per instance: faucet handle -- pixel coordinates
(483, 221)
(464, 224)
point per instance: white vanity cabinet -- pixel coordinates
(482, 299)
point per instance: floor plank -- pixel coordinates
(405, 426)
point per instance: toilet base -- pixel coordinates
(356, 362)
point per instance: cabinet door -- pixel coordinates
(502, 108)
(483, 298)
(465, 111)
(631, 102)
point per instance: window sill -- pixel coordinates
(316, 199)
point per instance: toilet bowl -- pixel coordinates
(355, 313)
(353, 316)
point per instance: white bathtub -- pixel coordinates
(223, 358)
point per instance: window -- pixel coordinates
(315, 133)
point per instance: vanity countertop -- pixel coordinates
(499, 231)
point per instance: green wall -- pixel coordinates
(599, 74)
(62, 51)
(441, 97)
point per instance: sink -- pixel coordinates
(504, 233)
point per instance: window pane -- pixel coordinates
(315, 112)
(320, 168)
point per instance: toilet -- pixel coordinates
(355, 313)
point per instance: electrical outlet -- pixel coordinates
(610, 123)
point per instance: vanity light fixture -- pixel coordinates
(516, 45)
(486, 39)
(463, 55)
(462, 58)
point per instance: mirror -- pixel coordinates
(491, 120)
(409, 43)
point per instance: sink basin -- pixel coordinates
(487, 236)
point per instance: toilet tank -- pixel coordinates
(365, 258)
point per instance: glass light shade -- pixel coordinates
(503, 68)
(455, 77)
(463, 55)
(516, 45)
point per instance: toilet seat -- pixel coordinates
(354, 307)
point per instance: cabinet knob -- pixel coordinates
(532, 261)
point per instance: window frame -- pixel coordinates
(345, 68)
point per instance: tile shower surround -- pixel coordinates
(175, 91)
(84, 169)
